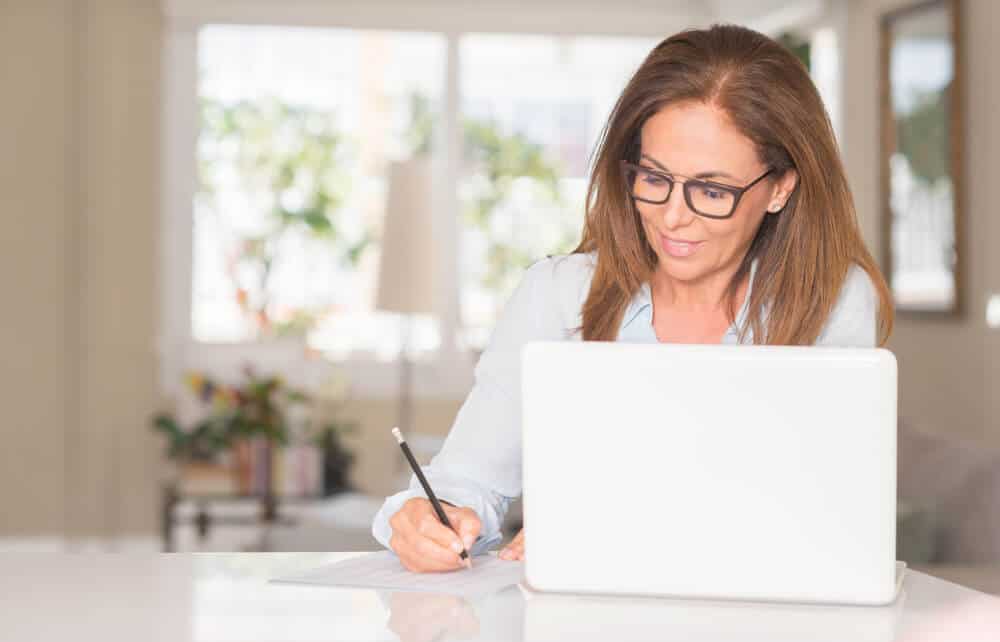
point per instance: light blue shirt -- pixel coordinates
(479, 465)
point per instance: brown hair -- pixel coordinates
(804, 252)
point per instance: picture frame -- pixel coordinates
(922, 146)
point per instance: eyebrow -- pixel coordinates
(710, 174)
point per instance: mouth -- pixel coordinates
(679, 248)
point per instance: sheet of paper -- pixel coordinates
(383, 570)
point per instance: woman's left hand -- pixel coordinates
(514, 550)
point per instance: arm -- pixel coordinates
(479, 465)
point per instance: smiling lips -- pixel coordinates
(678, 248)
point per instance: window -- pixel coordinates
(532, 110)
(286, 222)
(297, 126)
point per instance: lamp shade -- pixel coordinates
(406, 266)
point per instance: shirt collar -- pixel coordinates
(640, 301)
(643, 299)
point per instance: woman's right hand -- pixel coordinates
(424, 544)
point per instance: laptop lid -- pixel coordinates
(743, 472)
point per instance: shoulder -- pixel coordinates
(858, 285)
(563, 270)
(854, 318)
(560, 284)
(545, 305)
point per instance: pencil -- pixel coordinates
(427, 489)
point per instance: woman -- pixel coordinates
(718, 211)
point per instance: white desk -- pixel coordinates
(180, 597)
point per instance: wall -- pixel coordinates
(378, 460)
(36, 249)
(989, 94)
(948, 368)
(77, 254)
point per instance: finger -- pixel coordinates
(466, 522)
(430, 527)
(515, 549)
(513, 553)
(420, 554)
(433, 556)
(411, 524)
(416, 562)
(517, 540)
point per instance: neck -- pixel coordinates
(706, 295)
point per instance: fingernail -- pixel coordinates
(505, 554)
(456, 546)
(469, 539)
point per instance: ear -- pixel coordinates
(782, 191)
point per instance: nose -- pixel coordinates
(676, 213)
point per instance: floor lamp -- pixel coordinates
(406, 266)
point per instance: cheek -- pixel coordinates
(723, 234)
(732, 231)
(753, 209)
(647, 217)
(741, 227)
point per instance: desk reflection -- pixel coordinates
(517, 613)
(423, 617)
(975, 619)
(418, 617)
(586, 618)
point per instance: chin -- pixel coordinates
(682, 270)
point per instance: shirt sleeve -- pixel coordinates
(854, 318)
(479, 465)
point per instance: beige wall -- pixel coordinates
(378, 458)
(78, 173)
(987, 171)
(948, 368)
(36, 341)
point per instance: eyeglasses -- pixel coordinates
(705, 198)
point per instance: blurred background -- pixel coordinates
(242, 239)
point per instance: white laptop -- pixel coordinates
(716, 472)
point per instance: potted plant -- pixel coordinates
(247, 424)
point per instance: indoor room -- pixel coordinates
(244, 239)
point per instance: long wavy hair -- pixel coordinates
(803, 252)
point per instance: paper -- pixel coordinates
(383, 570)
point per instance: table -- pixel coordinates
(226, 597)
(206, 510)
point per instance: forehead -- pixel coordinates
(693, 137)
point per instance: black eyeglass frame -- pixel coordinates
(737, 192)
